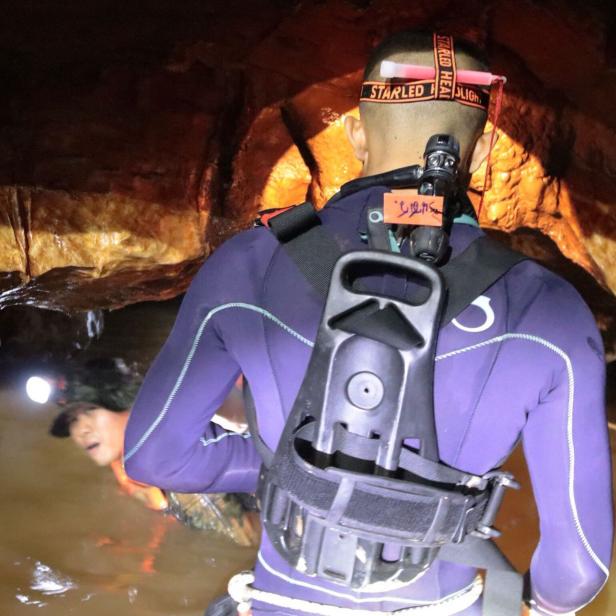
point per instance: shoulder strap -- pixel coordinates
(314, 252)
(311, 248)
(474, 271)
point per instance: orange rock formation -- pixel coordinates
(121, 173)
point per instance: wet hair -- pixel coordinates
(107, 383)
(393, 125)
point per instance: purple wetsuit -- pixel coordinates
(525, 361)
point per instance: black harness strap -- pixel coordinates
(312, 249)
(267, 455)
(465, 281)
(408, 460)
(503, 585)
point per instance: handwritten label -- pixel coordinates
(409, 208)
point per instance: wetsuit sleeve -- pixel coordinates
(567, 450)
(170, 441)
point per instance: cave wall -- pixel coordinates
(133, 142)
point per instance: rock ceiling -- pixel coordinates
(133, 144)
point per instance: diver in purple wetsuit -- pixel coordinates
(523, 361)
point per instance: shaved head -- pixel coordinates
(400, 131)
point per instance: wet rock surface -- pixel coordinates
(131, 147)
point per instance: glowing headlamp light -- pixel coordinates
(39, 389)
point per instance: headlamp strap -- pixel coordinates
(409, 83)
(403, 87)
(445, 64)
(404, 91)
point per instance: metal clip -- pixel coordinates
(500, 482)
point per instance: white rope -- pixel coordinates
(242, 592)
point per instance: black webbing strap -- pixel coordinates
(409, 461)
(267, 455)
(425, 514)
(465, 281)
(386, 325)
(312, 249)
(502, 593)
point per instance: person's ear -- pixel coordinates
(356, 134)
(481, 151)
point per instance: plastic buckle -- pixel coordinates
(502, 478)
(500, 482)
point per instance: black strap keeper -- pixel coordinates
(293, 222)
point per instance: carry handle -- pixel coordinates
(342, 298)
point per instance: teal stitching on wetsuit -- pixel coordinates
(570, 444)
(191, 354)
(211, 441)
(465, 219)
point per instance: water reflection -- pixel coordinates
(44, 581)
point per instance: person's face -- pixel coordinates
(100, 433)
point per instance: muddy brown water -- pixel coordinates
(72, 543)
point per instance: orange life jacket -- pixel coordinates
(151, 496)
